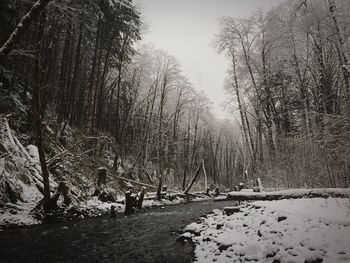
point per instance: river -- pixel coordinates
(148, 236)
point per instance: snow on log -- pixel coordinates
(289, 194)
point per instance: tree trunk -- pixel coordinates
(37, 99)
(38, 128)
(240, 106)
(160, 184)
(205, 176)
(193, 179)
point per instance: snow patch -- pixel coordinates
(33, 152)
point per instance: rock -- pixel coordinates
(184, 238)
(271, 250)
(314, 260)
(33, 152)
(219, 225)
(281, 218)
(216, 211)
(192, 228)
(206, 239)
(229, 210)
(106, 196)
(223, 247)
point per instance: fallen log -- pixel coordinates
(288, 194)
(135, 182)
(221, 198)
(169, 196)
(194, 195)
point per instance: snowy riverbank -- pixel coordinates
(298, 230)
(21, 214)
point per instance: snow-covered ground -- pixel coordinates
(298, 230)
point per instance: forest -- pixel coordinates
(75, 71)
(289, 79)
(76, 83)
(94, 121)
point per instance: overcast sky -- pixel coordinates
(186, 28)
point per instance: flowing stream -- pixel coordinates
(148, 236)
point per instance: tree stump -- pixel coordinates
(130, 203)
(113, 213)
(63, 188)
(217, 192)
(101, 178)
(101, 190)
(258, 186)
(159, 190)
(207, 192)
(141, 197)
(51, 204)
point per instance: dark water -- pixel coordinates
(149, 236)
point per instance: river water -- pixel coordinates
(148, 236)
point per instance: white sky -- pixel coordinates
(186, 28)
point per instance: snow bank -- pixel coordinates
(306, 230)
(333, 210)
(23, 217)
(94, 207)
